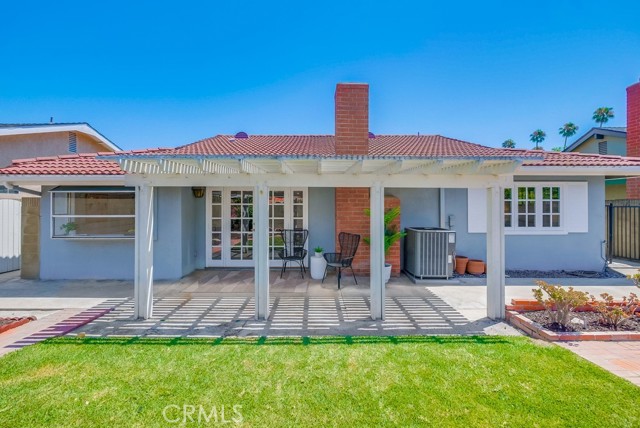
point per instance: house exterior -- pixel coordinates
(136, 215)
(20, 141)
(605, 141)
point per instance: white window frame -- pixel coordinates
(53, 216)
(538, 229)
(226, 260)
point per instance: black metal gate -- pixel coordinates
(623, 229)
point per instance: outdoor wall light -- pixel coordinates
(198, 192)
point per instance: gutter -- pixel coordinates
(21, 189)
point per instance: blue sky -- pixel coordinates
(160, 74)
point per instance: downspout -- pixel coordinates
(443, 220)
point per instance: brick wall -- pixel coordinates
(350, 217)
(633, 135)
(352, 118)
(30, 257)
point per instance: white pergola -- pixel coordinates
(145, 172)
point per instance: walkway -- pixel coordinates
(620, 358)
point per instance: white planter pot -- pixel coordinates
(387, 272)
(317, 267)
(319, 254)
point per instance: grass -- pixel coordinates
(380, 381)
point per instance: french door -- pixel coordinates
(230, 223)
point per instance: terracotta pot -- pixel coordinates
(461, 264)
(475, 267)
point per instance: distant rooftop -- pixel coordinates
(613, 131)
(35, 128)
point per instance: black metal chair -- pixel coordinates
(348, 246)
(293, 250)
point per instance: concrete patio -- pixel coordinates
(220, 302)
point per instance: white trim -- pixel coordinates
(46, 128)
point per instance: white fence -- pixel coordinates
(10, 232)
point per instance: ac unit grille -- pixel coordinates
(429, 252)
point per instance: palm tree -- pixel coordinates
(602, 115)
(567, 130)
(537, 137)
(509, 144)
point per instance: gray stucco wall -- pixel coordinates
(575, 251)
(322, 220)
(178, 244)
(418, 208)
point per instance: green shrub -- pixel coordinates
(635, 278)
(615, 314)
(559, 302)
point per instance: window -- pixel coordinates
(92, 213)
(533, 207)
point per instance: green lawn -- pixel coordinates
(353, 382)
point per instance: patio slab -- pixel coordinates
(225, 315)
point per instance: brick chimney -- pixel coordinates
(633, 135)
(352, 118)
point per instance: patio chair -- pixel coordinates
(293, 250)
(348, 246)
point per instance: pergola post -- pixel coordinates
(143, 282)
(495, 254)
(377, 286)
(261, 249)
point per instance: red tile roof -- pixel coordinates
(263, 145)
(314, 146)
(75, 164)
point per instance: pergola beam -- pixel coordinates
(390, 168)
(355, 168)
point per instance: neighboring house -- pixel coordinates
(138, 215)
(605, 141)
(621, 141)
(30, 140)
(20, 141)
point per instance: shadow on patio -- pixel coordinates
(220, 303)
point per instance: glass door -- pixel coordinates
(230, 223)
(240, 210)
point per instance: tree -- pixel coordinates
(509, 144)
(537, 137)
(567, 130)
(602, 115)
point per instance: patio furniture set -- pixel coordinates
(293, 250)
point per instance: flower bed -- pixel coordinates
(529, 316)
(13, 322)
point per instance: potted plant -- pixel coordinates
(318, 251)
(391, 236)
(69, 228)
